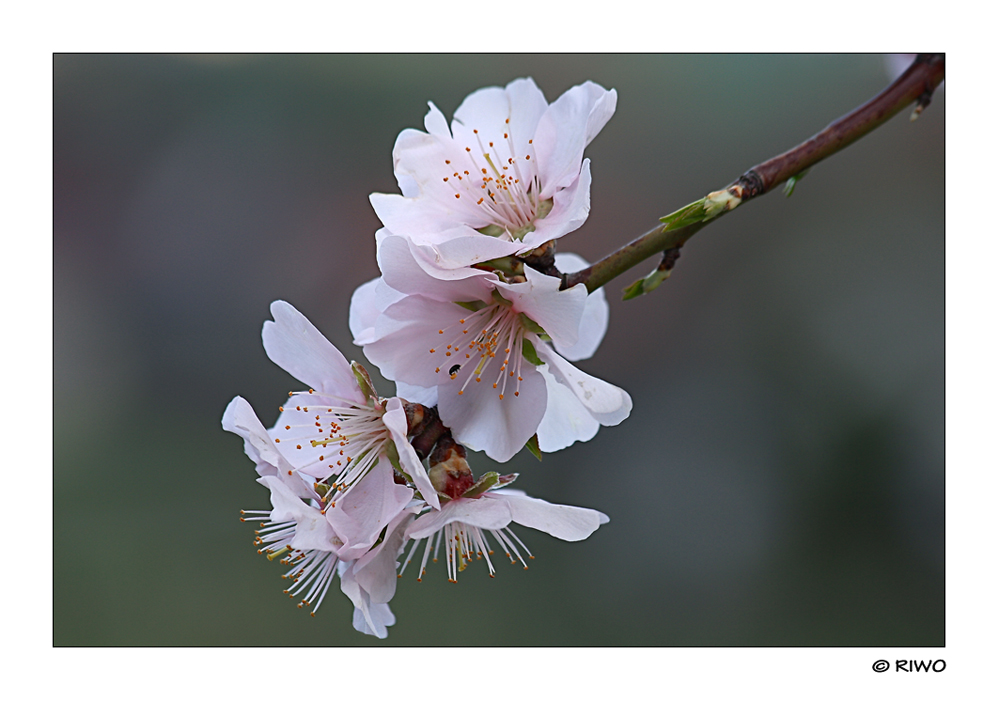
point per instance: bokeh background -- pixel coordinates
(781, 478)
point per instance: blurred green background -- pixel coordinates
(781, 478)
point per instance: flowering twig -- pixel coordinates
(916, 84)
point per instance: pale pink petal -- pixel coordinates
(368, 618)
(480, 420)
(420, 217)
(566, 522)
(404, 335)
(239, 418)
(608, 404)
(570, 209)
(490, 514)
(312, 530)
(470, 248)
(395, 420)
(593, 325)
(293, 343)
(569, 124)
(487, 110)
(435, 123)
(566, 420)
(435, 168)
(359, 517)
(427, 396)
(405, 267)
(375, 571)
(368, 301)
(558, 312)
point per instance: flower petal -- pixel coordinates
(570, 523)
(375, 571)
(608, 404)
(293, 343)
(490, 514)
(359, 517)
(369, 618)
(514, 110)
(405, 267)
(312, 530)
(557, 311)
(404, 335)
(395, 420)
(570, 209)
(480, 420)
(239, 418)
(368, 301)
(596, 313)
(427, 396)
(569, 124)
(566, 420)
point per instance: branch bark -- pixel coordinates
(916, 84)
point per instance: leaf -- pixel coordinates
(500, 299)
(473, 306)
(792, 181)
(646, 284)
(491, 230)
(685, 216)
(532, 445)
(392, 453)
(531, 325)
(530, 354)
(635, 289)
(485, 483)
(364, 382)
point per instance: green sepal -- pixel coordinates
(507, 265)
(485, 483)
(473, 306)
(491, 230)
(381, 537)
(523, 231)
(500, 299)
(531, 325)
(364, 382)
(532, 445)
(392, 453)
(530, 354)
(544, 208)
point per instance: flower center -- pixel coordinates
(311, 570)
(464, 543)
(494, 181)
(349, 439)
(473, 343)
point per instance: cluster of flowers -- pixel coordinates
(469, 320)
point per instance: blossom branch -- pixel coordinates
(916, 84)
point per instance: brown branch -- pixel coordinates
(916, 84)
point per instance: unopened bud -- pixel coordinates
(720, 201)
(416, 414)
(449, 471)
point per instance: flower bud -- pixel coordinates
(720, 201)
(416, 414)
(449, 471)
